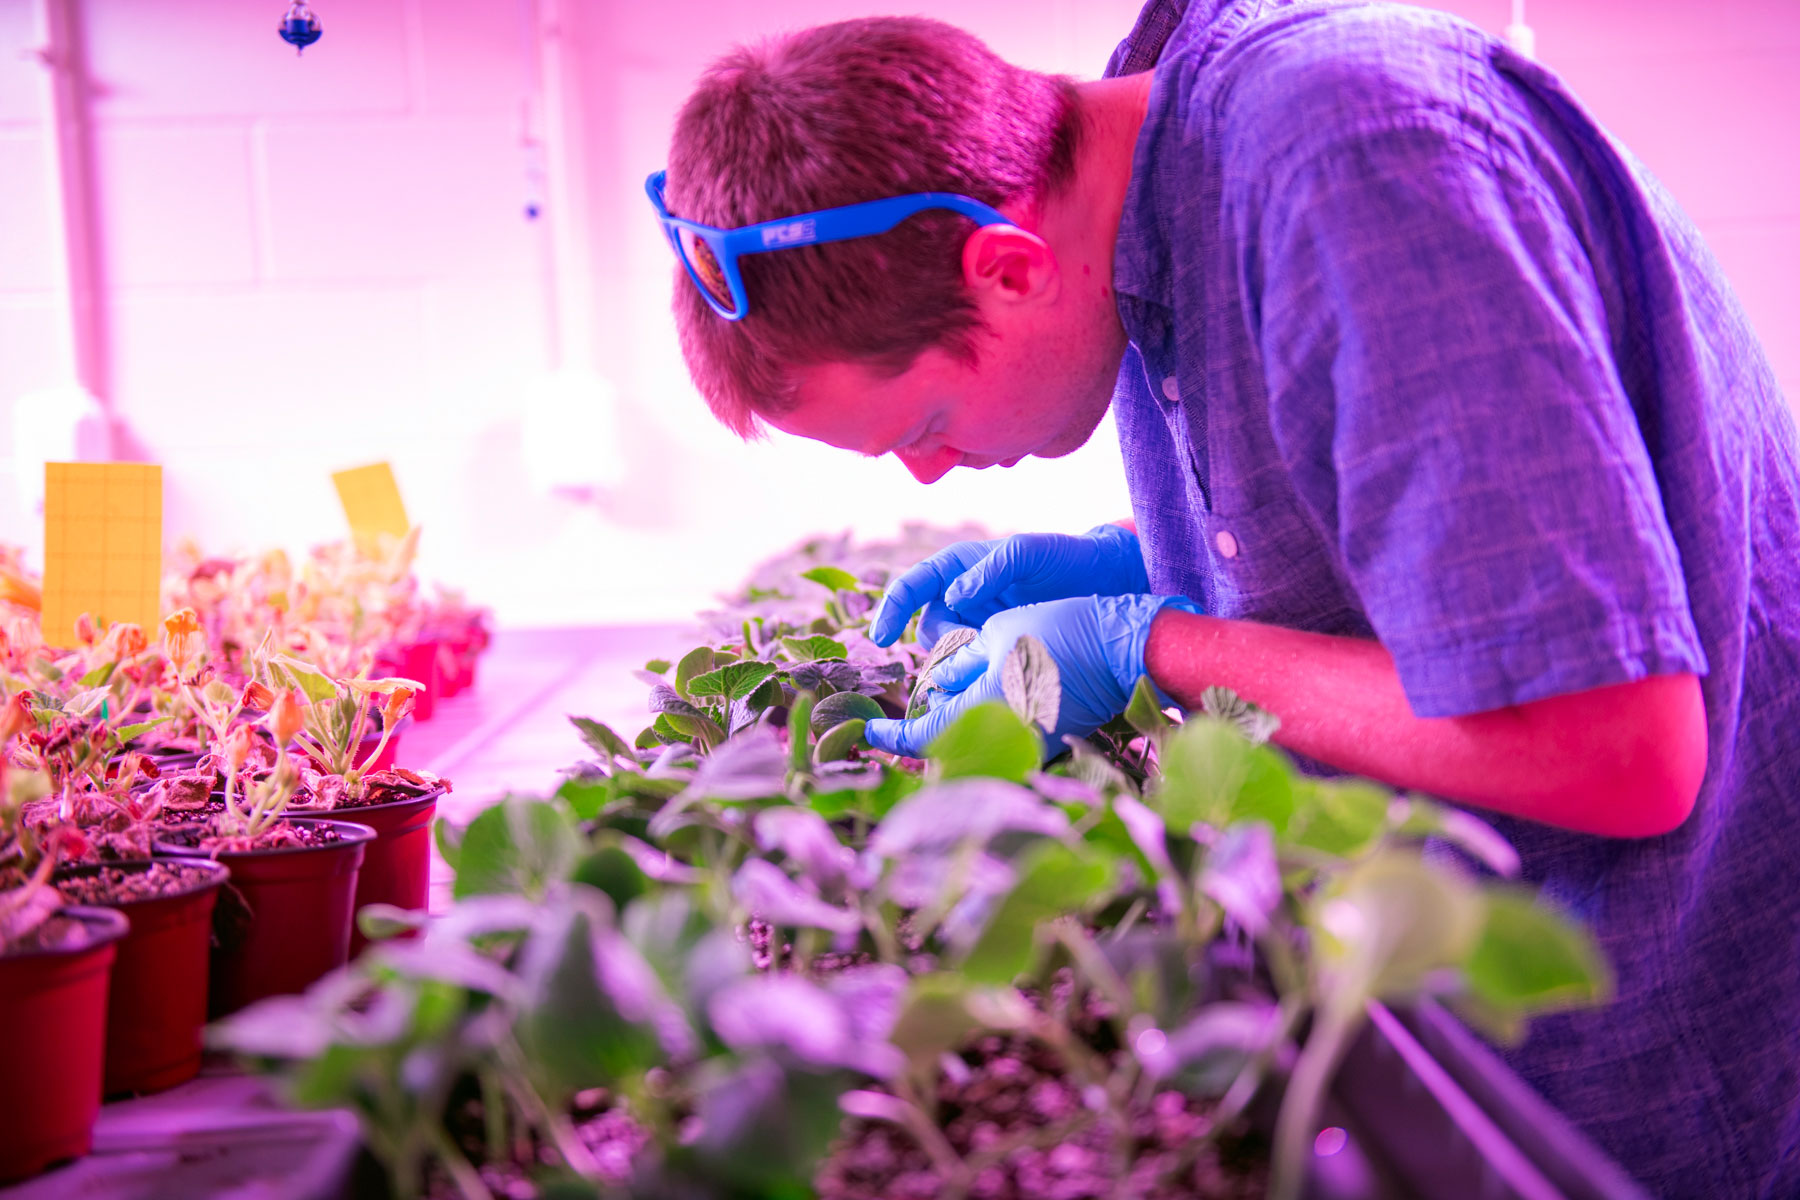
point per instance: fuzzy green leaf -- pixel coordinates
(799, 727)
(839, 707)
(1531, 959)
(839, 740)
(1032, 683)
(1340, 817)
(126, 732)
(658, 666)
(697, 661)
(601, 739)
(831, 577)
(292, 672)
(1053, 881)
(814, 648)
(733, 681)
(1144, 714)
(1214, 775)
(989, 739)
(516, 847)
(1254, 722)
(101, 674)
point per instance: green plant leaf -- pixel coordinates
(767, 696)
(948, 643)
(601, 739)
(697, 728)
(1256, 723)
(126, 732)
(799, 727)
(648, 738)
(292, 672)
(611, 869)
(839, 740)
(938, 1014)
(1213, 775)
(571, 1030)
(814, 648)
(100, 675)
(449, 841)
(831, 577)
(1391, 920)
(1532, 959)
(378, 922)
(734, 681)
(1145, 715)
(1032, 684)
(516, 847)
(1340, 817)
(697, 661)
(658, 666)
(586, 797)
(839, 707)
(1053, 881)
(988, 739)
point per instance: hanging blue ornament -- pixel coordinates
(299, 28)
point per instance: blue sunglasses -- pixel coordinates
(711, 254)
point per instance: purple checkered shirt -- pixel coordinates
(1420, 354)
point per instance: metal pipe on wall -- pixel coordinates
(82, 279)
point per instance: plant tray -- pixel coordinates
(1431, 1112)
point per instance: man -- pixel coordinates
(1446, 442)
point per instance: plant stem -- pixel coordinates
(931, 1139)
(1337, 1022)
(462, 1173)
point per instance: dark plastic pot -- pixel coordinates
(53, 1009)
(1430, 1112)
(284, 919)
(157, 1000)
(396, 868)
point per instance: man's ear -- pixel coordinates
(1010, 265)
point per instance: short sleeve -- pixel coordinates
(1443, 392)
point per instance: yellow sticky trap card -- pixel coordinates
(371, 500)
(102, 546)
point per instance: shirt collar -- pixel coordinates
(1195, 29)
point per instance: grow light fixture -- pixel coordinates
(299, 28)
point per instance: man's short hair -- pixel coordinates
(836, 115)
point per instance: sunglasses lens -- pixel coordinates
(707, 271)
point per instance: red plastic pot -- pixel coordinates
(284, 919)
(388, 752)
(157, 1000)
(419, 662)
(53, 1009)
(396, 867)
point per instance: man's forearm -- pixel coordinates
(1622, 761)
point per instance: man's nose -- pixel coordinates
(932, 465)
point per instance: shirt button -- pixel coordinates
(1226, 543)
(1171, 389)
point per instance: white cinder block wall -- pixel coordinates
(322, 261)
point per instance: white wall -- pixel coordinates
(320, 261)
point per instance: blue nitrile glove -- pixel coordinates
(977, 579)
(1098, 645)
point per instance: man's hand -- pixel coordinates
(1098, 645)
(971, 581)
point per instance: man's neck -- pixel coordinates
(1082, 222)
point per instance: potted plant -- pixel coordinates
(156, 1004)
(54, 966)
(344, 774)
(285, 920)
